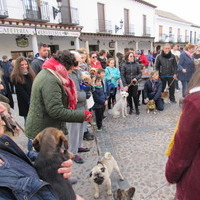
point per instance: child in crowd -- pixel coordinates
(100, 101)
(112, 76)
(152, 90)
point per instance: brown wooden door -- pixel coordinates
(101, 17)
(126, 21)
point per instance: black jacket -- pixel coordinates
(23, 92)
(36, 65)
(152, 91)
(103, 62)
(129, 71)
(166, 64)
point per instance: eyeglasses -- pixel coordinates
(131, 56)
(94, 56)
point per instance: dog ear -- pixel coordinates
(119, 194)
(36, 141)
(131, 192)
(63, 140)
(90, 174)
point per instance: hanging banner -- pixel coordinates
(57, 33)
(15, 30)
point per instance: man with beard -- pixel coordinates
(167, 66)
(37, 63)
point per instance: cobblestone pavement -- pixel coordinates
(138, 144)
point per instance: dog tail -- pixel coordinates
(108, 155)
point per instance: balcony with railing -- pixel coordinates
(104, 26)
(171, 38)
(3, 9)
(69, 15)
(129, 30)
(147, 32)
(36, 10)
(180, 38)
(163, 38)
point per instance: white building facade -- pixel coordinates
(172, 29)
(112, 25)
(117, 25)
(26, 23)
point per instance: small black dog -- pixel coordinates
(48, 143)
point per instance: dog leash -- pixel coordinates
(159, 188)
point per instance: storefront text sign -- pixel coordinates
(57, 33)
(14, 30)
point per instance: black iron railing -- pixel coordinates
(36, 10)
(104, 26)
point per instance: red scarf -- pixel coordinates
(62, 74)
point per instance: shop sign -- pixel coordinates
(14, 30)
(57, 33)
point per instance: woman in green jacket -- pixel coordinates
(53, 97)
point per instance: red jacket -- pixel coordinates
(183, 165)
(144, 60)
(97, 65)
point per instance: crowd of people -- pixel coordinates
(55, 91)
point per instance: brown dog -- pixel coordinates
(151, 106)
(49, 145)
(124, 194)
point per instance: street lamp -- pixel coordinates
(119, 27)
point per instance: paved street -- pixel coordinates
(138, 143)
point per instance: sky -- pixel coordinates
(187, 10)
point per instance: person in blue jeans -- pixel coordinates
(152, 90)
(18, 177)
(186, 66)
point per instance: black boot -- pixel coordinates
(137, 111)
(131, 111)
(88, 136)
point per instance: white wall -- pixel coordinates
(114, 12)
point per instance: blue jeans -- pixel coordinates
(184, 85)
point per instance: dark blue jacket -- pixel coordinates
(99, 97)
(185, 62)
(18, 177)
(7, 68)
(152, 91)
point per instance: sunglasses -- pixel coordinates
(94, 56)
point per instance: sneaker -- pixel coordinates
(99, 129)
(78, 159)
(131, 112)
(88, 136)
(104, 117)
(73, 180)
(83, 149)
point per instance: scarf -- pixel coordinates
(61, 73)
(189, 54)
(153, 84)
(168, 55)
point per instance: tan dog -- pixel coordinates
(151, 106)
(49, 145)
(124, 194)
(100, 174)
(165, 96)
